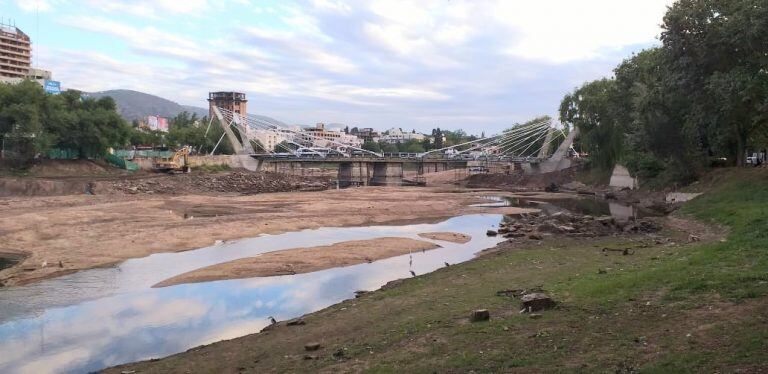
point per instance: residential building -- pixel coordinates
(16, 60)
(15, 53)
(367, 134)
(397, 135)
(268, 139)
(319, 136)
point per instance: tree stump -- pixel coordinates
(534, 302)
(479, 315)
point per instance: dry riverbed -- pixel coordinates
(63, 234)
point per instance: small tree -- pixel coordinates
(372, 146)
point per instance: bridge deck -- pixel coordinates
(318, 159)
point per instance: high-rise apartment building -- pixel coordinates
(15, 53)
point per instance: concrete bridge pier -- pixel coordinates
(357, 173)
(298, 168)
(387, 174)
(432, 167)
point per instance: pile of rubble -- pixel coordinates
(230, 182)
(537, 225)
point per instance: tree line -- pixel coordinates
(437, 140)
(33, 123)
(700, 98)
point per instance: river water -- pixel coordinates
(103, 317)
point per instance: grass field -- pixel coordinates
(672, 307)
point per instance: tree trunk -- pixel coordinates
(741, 140)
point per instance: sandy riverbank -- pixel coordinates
(303, 260)
(453, 237)
(88, 231)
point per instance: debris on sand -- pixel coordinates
(537, 226)
(229, 182)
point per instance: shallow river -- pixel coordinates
(103, 317)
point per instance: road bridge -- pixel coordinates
(374, 171)
(523, 147)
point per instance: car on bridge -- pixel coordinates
(312, 152)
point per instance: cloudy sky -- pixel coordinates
(478, 65)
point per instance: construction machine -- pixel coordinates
(179, 162)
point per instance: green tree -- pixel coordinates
(371, 146)
(592, 108)
(411, 146)
(21, 120)
(437, 135)
(90, 126)
(388, 147)
(718, 51)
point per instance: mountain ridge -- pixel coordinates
(134, 105)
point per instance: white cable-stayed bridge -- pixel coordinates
(533, 148)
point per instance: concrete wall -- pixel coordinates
(194, 161)
(387, 174)
(214, 160)
(355, 173)
(621, 178)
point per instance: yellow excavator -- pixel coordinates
(179, 162)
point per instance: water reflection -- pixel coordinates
(103, 317)
(581, 205)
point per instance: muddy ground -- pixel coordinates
(63, 234)
(64, 216)
(65, 180)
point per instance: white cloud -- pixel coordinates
(332, 5)
(293, 46)
(38, 5)
(145, 39)
(562, 31)
(432, 61)
(154, 8)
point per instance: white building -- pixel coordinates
(313, 137)
(319, 136)
(397, 135)
(268, 139)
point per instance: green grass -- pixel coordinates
(736, 269)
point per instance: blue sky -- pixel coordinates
(477, 65)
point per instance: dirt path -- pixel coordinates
(303, 260)
(63, 234)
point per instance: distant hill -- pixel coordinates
(135, 105)
(201, 112)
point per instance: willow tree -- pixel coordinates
(593, 109)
